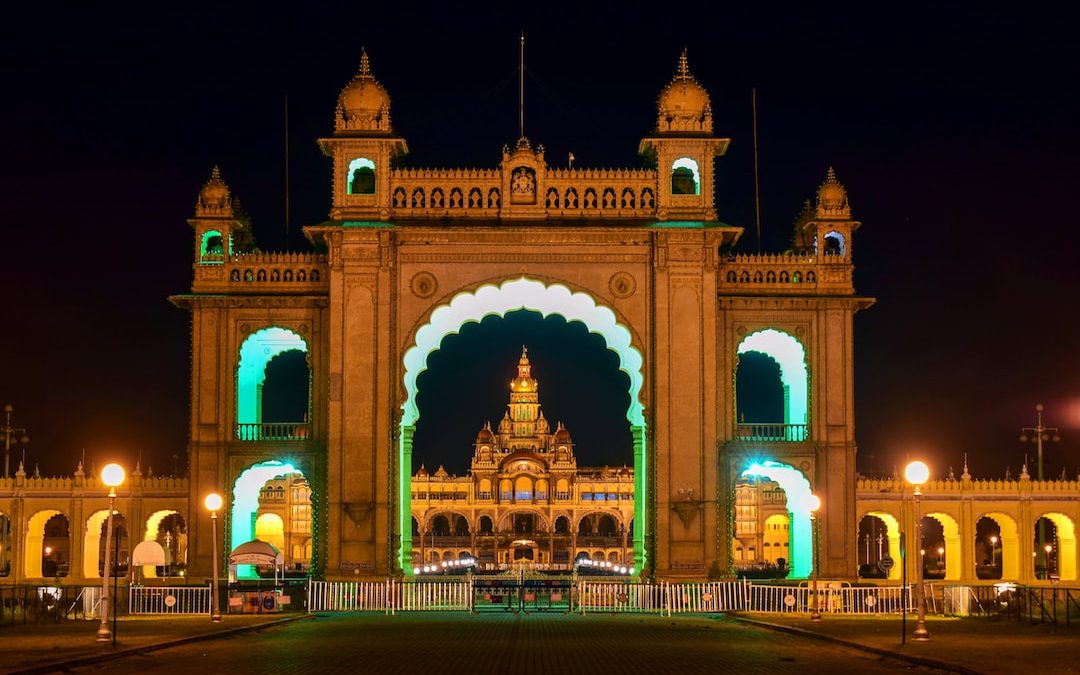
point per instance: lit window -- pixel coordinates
(685, 177)
(361, 176)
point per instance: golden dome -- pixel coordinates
(485, 435)
(363, 104)
(214, 197)
(684, 104)
(561, 434)
(832, 198)
(524, 382)
(422, 473)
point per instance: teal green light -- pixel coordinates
(797, 489)
(790, 355)
(257, 351)
(204, 243)
(509, 296)
(687, 163)
(245, 503)
(358, 163)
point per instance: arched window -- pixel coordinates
(771, 387)
(685, 177)
(361, 176)
(834, 244)
(212, 245)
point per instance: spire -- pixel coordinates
(365, 66)
(965, 474)
(683, 72)
(830, 176)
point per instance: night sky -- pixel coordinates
(954, 131)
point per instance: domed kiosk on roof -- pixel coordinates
(363, 105)
(684, 104)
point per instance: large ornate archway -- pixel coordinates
(512, 295)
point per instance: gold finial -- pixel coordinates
(215, 173)
(830, 176)
(365, 65)
(684, 67)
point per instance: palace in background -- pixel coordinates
(525, 499)
(305, 365)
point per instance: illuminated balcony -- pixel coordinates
(784, 433)
(273, 431)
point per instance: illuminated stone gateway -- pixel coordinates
(408, 256)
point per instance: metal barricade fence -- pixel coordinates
(169, 599)
(711, 596)
(348, 596)
(618, 597)
(778, 599)
(421, 596)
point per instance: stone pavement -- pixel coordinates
(446, 643)
(35, 644)
(978, 645)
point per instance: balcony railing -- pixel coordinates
(273, 431)
(787, 433)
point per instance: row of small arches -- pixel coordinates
(626, 199)
(771, 277)
(275, 275)
(418, 198)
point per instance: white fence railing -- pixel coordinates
(169, 599)
(611, 596)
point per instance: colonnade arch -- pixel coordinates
(1066, 544)
(35, 540)
(790, 355)
(796, 486)
(93, 551)
(954, 563)
(256, 353)
(512, 295)
(1009, 542)
(892, 537)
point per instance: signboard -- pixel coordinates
(885, 564)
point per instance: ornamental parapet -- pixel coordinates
(874, 487)
(264, 273)
(788, 273)
(543, 193)
(28, 486)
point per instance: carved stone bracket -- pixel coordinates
(687, 510)
(358, 512)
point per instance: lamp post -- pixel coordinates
(1046, 561)
(1037, 434)
(813, 503)
(213, 505)
(993, 550)
(941, 557)
(11, 433)
(917, 474)
(112, 475)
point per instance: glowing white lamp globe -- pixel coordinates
(813, 503)
(213, 502)
(112, 475)
(917, 473)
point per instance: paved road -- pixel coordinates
(550, 644)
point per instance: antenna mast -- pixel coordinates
(757, 189)
(521, 89)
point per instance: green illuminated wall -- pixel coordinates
(797, 489)
(790, 355)
(509, 296)
(245, 503)
(255, 353)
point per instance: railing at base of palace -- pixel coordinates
(605, 596)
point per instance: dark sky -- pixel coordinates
(954, 130)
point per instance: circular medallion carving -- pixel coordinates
(622, 285)
(741, 330)
(303, 329)
(245, 328)
(424, 285)
(804, 466)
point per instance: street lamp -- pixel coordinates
(917, 473)
(1046, 561)
(213, 505)
(11, 433)
(1037, 434)
(993, 550)
(112, 476)
(813, 503)
(941, 557)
